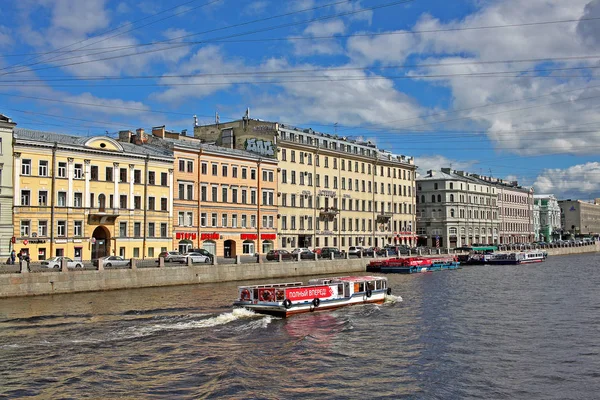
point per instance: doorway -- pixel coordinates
(229, 249)
(100, 242)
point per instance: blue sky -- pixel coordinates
(503, 88)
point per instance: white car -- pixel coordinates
(301, 250)
(113, 261)
(195, 257)
(56, 262)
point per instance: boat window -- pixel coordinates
(384, 284)
(361, 286)
(340, 288)
(378, 285)
(371, 285)
(255, 294)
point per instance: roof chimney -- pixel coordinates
(446, 170)
(158, 131)
(125, 136)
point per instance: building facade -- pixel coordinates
(6, 186)
(580, 217)
(332, 191)
(515, 205)
(87, 197)
(225, 200)
(546, 217)
(455, 209)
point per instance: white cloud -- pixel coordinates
(5, 36)
(255, 7)
(437, 162)
(576, 182)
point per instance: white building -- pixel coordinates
(6, 186)
(546, 217)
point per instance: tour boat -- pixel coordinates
(285, 299)
(524, 257)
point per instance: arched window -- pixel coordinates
(452, 231)
(435, 186)
(451, 185)
(433, 198)
(423, 198)
(439, 198)
(452, 212)
(101, 202)
(452, 197)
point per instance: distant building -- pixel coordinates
(515, 204)
(455, 209)
(546, 217)
(6, 186)
(580, 217)
(332, 191)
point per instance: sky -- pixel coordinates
(508, 89)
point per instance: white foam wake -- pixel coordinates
(390, 298)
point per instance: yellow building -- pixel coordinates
(332, 191)
(86, 197)
(225, 200)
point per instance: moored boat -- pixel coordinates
(524, 257)
(285, 299)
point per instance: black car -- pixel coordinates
(326, 253)
(307, 255)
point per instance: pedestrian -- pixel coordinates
(13, 257)
(20, 255)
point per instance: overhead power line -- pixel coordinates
(226, 37)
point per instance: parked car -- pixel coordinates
(327, 251)
(355, 251)
(204, 252)
(300, 250)
(56, 262)
(370, 251)
(307, 255)
(196, 257)
(171, 256)
(113, 261)
(273, 255)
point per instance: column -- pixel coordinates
(70, 173)
(170, 193)
(16, 180)
(86, 192)
(131, 202)
(116, 188)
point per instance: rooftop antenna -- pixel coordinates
(195, 121)
(217, 118)
(335, 128)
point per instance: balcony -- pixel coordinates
(102, 216)
(384, 217)
(328, 213)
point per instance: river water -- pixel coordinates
(493, 332)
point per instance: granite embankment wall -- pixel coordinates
(43, 283)
(55, 282)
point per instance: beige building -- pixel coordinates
(87, 197)
(579, 217)
(332, 191)
(6, 186)
(225, 200)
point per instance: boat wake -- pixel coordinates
(222, 319)
(391, 299)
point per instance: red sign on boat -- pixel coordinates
(308, 293)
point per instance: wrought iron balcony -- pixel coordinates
(383, 217)
(328, 213)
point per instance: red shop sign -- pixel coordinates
(308, 293)
(268, 236)
(248, 236)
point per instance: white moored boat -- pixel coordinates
(284, 299)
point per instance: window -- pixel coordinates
(137, 229)
(224, 170)
(151, 178)
(215, 169)
(253, 197)
(234, 195)
(123, 201)
(61, 228)
(78, 200)
(182, 165)
(253, 221)
(244, 220)
(151, 229)
(283, 155)
(123, 175)
(94, 173)
(151, 203)
(214, 191)
(62, 170)
(25, 228)
(78, 171)
(25, 197)
(137, 202)
(244, 173)
(163, 230)
(190, 166)
(234, 221)
(203, 219)
(213, 219)
(253, 174)
(181, 218)
(26, 167)
(203, 193)
(163, 204)
(137, 176)
(234, 172)
(189, 220)
(43, 168)
(163, 179)
(42, 228)
(224, 220)
(62, 199)
(224, 196)
(78, 228)
(204, 168)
